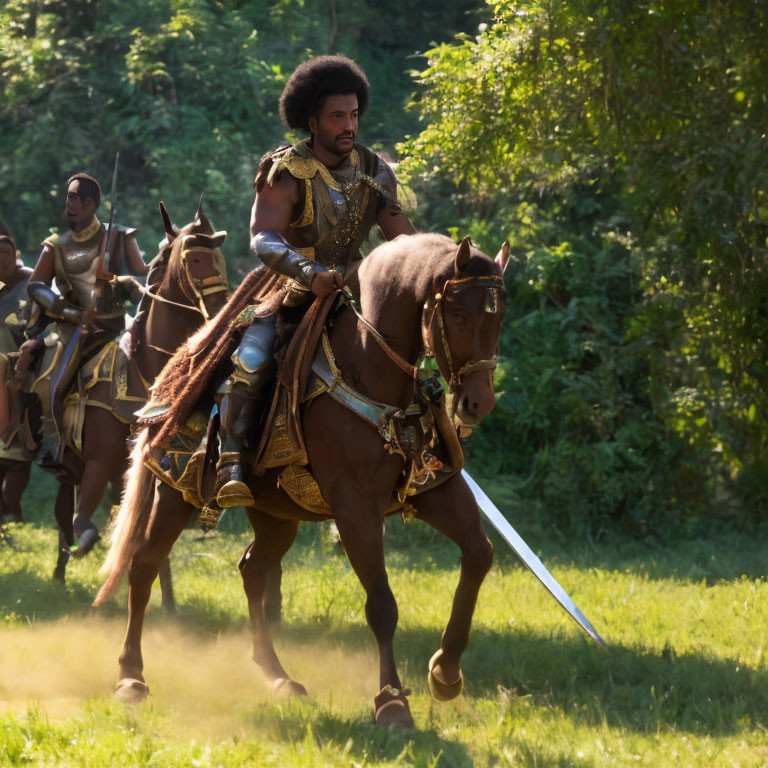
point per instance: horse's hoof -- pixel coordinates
(390, 708)
(87, 542)
(286, 688)
(443, 691)
(131, 691)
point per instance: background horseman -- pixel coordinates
(316, 202)
(91, 269)
(17, 447)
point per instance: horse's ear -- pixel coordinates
(502, 257)
(462, 255)
(202, 222)
(169, 230)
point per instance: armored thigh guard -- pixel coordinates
(255, 350)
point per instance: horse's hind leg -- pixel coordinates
(170, 514)
(166, 586)
(272, 539)
(452, 510)
(114, 494)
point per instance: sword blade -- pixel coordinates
(526, 554)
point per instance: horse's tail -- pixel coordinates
(128, 528)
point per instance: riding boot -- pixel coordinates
(240, 407)
(47, 456)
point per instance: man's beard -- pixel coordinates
(340, 152)
(332, 146)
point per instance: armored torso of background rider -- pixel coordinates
(77, 264)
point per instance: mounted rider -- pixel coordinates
(13, 293)
(20, 442)
(93, 270)
(316, 202)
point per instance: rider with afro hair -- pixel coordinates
(316, 79)
(316, 202)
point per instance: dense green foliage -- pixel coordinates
(621, 149)
(187, 90)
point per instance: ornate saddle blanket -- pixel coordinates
(109, 380)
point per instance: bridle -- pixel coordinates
(199, 288)
(453, 285)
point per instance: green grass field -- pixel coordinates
(684, 682)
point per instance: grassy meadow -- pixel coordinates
(683, 683)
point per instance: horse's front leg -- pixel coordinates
(360, 520)
(452, 510)
(273, 537)
(105, 455)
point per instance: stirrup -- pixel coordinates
(232, 491)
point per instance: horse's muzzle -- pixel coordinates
(475, 398)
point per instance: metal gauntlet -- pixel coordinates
(53, 304)
(276, 254)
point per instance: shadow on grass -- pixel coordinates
(624, 687)
(32, 597)
(361, 740)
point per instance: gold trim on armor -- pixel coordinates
(56, 356)
(88, 232)
(308, 214)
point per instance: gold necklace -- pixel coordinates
(88, 232)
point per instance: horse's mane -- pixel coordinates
(418, 265)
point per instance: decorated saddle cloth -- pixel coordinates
(108, 380)
(423, 434)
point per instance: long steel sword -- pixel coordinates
(525, 553)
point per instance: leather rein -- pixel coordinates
(452, 285)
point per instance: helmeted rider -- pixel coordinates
(316, 202)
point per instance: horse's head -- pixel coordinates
(193, 269)
(461, 324)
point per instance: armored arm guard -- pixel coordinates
(276, 254)
(53, 304)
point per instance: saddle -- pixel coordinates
(422, 434)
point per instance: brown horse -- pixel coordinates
(414, 291)
(187, 285)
